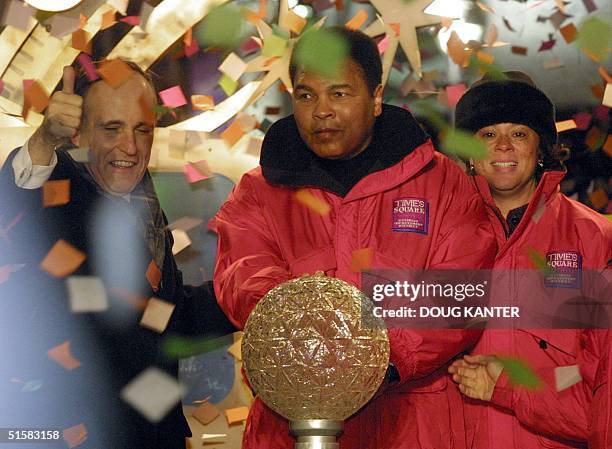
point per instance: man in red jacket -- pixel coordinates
(361, 159)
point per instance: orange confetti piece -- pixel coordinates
(36, 96)
(137, 301)
(5, 273)
(569, 32)
(81, 41)
(604, 74)
(237, 414)
(294, 22)
(263, 8)
(202, 102)
(599, 198)
(206, 413)
(607, 147)
(318, 205)
(485, 57)
(108, 19)
(592, 56)
(82, 20)
(115, 72)
(361, 259)
(358, 20)
(565, 125)
(598, 91)
(188, 37)
(395, 27)
(61, 354)
(157, 315)
(75, 436)
(519, 50)
(593, 138)
(153, 275)
(63, 259)
(233, 133)
(251, 16)
(56, 193)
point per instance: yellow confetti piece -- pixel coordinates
(273, 46)
(565, 125)
(236, 349)
(235, 415)
(312, 202)
(228, 85)
(202, 102)
(62, 260)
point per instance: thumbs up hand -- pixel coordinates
(61, 123)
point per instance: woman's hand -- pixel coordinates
(476, 375)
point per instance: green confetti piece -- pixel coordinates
(161, 110)
(321, 51)
(274, 46)
(228, 85)
(539, 262)
(463, 144)
(223, 27)
(520, 373)
(177, 347)
(595, 36)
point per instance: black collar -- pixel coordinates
(286, 160)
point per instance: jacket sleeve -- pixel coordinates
(565, 413)
(249, 262)
(465, 240)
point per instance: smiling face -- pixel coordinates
(118, 130)
(335, 116)
(512, 154)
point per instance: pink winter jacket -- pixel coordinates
(519, 418)
(266, 237)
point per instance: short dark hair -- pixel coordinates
(362, 50)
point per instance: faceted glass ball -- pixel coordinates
(312, 349)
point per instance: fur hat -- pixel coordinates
(515, 99)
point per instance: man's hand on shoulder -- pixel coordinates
(61, 123)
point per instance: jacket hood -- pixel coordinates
(286, 159)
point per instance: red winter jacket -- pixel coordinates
(526, 419)
(266, 237)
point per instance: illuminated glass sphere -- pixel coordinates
(312, 349)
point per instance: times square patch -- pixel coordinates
(565, 269)
(411, 215)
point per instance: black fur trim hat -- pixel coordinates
(515, 99)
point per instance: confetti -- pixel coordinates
(202, 102)
(235, 415)
(547, 45)
(173, 97)
(569, 33)
(153, 275)
(589, 5)
(361, 259)
(236, 349)
(32, 386)
(213, 436)
(181, 347)
(519, 50)
(206, 413)
(115, 72)
(254, 146)
(5, 273)
(565, 125)
(185, 223)
(35, 95)
(519, 373)
(86, 294)
(61, 354)
(321, 5)
(293, 22)
(566, 376)
(607, 147)
(383, 44)
(79, 154)
(62, 260)
(541, 207)
(233, 66)
(157, 314)
(181, 241)
(119, 5)
(233, 133)
(314, 203)
(594, 138)
(463, 144)
(507, 23)
(583, 120)
(56, 193)
(274, 46)
(594, 36)
(607, 96)
(604, 74)
(539, 261)
(131, 20)
(228, 85)
(153, 393)
(552, 63)
(599, 199)
(222, 27)
(321, 51)
(18, 14)
(358, 20)
(81, 41)
(75, 435)
(454, 93)
(87, 65)
(108, 19)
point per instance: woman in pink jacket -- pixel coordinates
(519, 180)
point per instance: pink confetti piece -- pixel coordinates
(173, 97)
(86, 64)
(193, 174)
(454, 93)
(131, 20)
(383, 44)
(583, 120)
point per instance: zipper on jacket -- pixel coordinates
(495, 210)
